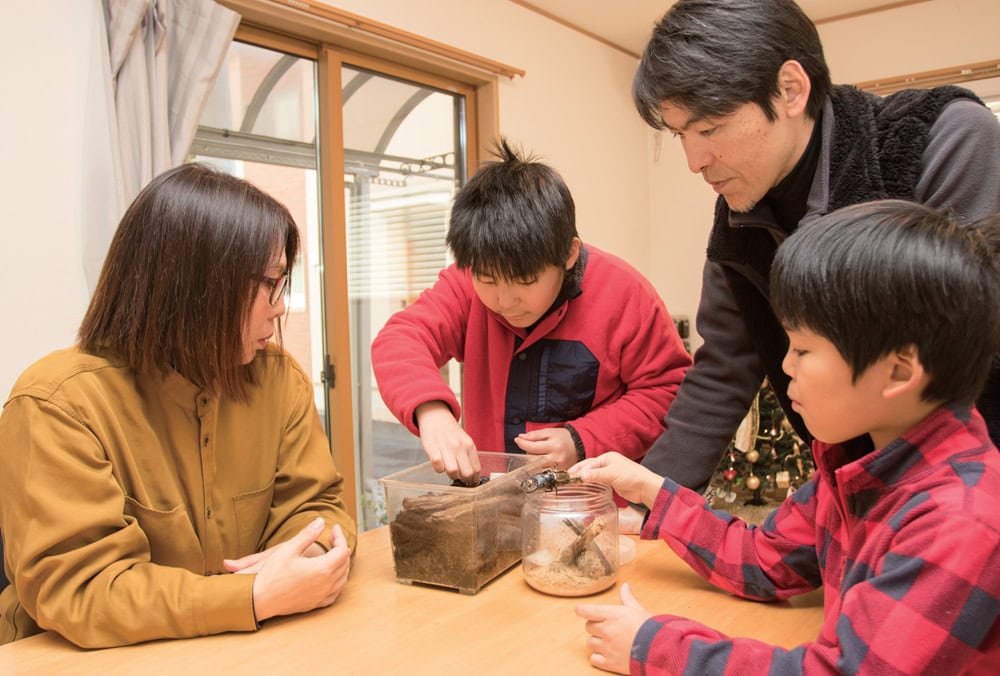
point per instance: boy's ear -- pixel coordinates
(574, 252)
(793, 87)
(905, 373)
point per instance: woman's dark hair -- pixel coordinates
(181, 276)
(877, 277)
(711, 56)
(512, 218)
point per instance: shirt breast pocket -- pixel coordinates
(567, 379)
(171, 536)
(252, 511)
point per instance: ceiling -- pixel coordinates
(628, 23)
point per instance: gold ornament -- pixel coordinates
(753, 456)
(753, 483)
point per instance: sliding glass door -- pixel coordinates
(367, 156)
(403, 144)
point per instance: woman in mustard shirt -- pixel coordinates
(169, 476)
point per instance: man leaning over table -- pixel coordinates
(744, 87)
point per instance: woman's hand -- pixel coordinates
(289, 580)
(252, 562)
(612, 631)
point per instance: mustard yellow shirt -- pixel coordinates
(121, 494)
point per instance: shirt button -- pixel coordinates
(205, 440)
(208, 513)
(522, 355)
(516, 421)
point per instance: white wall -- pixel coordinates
(912, 39)
(573, 108)
(48, 70)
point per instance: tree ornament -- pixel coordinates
(762, 454)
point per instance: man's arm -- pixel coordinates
(961, 163)
(961, 173)
(716, 393)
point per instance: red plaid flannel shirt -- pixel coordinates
(905, 541)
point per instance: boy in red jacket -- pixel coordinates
(567, 350)
(893, 316)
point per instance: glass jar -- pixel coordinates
(570, 540)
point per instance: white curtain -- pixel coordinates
(163, 57)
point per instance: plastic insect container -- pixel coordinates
(570, 540)
(456, 536)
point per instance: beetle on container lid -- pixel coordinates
(548, 480)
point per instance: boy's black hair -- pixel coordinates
(711, 56)
(512, 218)
(877, 277)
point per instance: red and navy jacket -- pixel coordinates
(905, 541)
(606, 362)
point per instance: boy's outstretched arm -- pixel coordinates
(929, 606)
(409, 351)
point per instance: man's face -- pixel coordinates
(741, 155)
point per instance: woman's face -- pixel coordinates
(260, 324)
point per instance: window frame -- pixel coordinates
(310, 32)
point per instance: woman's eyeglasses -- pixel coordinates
(277, 286)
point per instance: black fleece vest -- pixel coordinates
(875, 153)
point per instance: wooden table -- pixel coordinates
(379, 626)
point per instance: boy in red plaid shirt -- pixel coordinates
(893, 316)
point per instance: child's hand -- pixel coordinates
(612, 631)
(446, 444)
(555, 442)
(629, 479)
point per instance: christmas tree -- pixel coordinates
(766, 460)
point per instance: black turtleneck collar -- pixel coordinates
(571, 288)
(788, 199)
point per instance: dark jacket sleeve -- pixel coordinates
(961, 163)
(716, 393)
(961, 173)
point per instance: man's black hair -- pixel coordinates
(711, 56)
